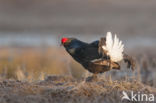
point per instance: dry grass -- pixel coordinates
(34, 63)
(25, 76)
(65, 89)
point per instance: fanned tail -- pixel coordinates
(114, 47)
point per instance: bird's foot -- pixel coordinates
(91, 78)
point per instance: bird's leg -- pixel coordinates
(91, 78)
(110, 64)
(94, 76)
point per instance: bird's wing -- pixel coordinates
(114, 47)
(105, 64)
(86, 53)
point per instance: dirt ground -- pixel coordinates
(64, 89)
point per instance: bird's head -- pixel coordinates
(66, 41)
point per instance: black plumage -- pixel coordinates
(89, 55)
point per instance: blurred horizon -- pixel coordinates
(126, 18)
(38, 23)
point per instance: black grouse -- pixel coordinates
(99, 56)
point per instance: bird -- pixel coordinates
(98, 56)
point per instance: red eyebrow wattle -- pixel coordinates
(64, 40)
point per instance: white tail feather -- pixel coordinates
(114, 47)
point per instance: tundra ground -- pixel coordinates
(34, 75)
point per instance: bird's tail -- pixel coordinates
(114, 47)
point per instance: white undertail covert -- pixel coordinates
(114, 47)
